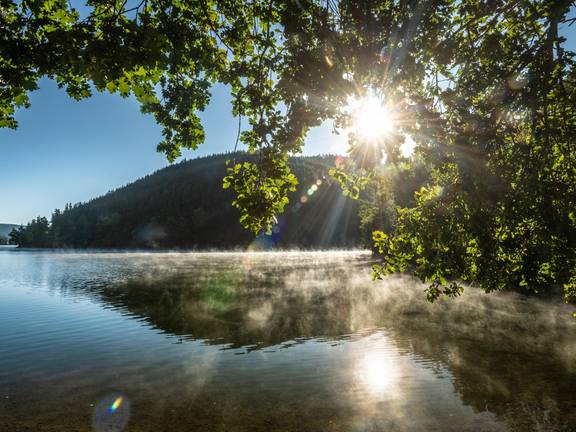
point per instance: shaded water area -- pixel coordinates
(270, 342)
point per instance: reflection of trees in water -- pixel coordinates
(528, 390)
(508, 355)
(253, 309)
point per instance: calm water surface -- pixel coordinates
(269, 342)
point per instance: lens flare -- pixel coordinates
(112, 413)
(116, 404)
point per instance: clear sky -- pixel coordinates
(68, 151)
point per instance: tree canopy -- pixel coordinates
(484, 88)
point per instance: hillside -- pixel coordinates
(184, 206)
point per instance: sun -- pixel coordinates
(371, 118)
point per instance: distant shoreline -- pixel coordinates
(199, 251)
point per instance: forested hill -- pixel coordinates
(184, 206)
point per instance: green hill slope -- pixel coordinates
(184, 206)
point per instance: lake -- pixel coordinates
(294, 341)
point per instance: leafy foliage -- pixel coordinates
(496, 210)
(260, 197)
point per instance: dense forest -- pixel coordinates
(185, 206)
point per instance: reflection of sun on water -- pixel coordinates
(377, 372)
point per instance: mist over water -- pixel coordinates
(288, 341)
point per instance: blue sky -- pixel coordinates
(68, 151)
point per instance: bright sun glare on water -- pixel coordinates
(377, 372)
